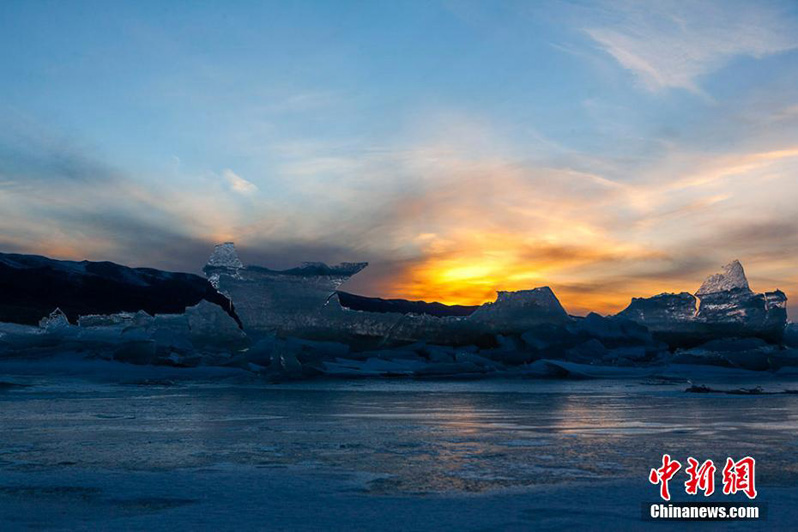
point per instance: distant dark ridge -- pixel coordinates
(32, 286)
(402, 306)
(312, 269)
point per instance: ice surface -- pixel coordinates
(351, 455)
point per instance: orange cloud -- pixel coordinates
(474, 265)
(477, 227)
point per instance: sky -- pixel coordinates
(608, 149)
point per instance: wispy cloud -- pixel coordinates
(672, 43)
(238, 184)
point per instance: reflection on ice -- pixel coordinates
(423, 437)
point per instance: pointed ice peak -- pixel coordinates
(56, 320)
(225, 256)
(732, 278)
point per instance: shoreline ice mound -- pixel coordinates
(303, 302)
(106, 320)
(225, 256)
(209, 325)
(731, 279)
(55, 321)
(224, 259)
(519, 310)
(276, 301)
(666, 308)
(727, 298)
(724, 306)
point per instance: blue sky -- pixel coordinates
(607, 149)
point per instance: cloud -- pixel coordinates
(672, 43)
(453, 214)
(61, 199)
(238, 184)
(31, 153)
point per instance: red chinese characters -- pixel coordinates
(739, 476)
(701, 478)
(664, 474)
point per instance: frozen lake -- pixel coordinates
(394, 455)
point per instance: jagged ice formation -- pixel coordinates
(723, 306)
(296, 323)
